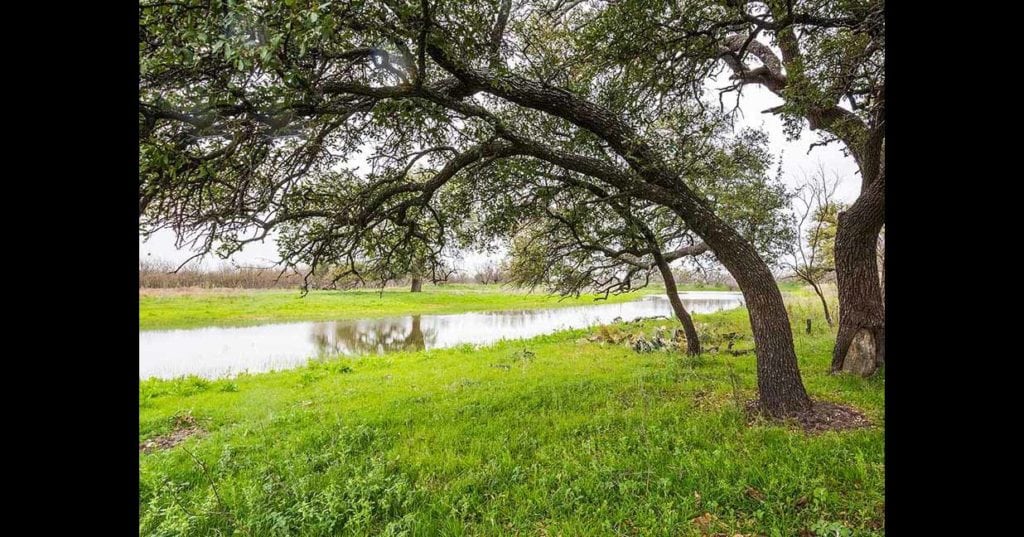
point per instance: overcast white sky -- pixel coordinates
(795, 163)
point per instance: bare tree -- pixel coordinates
(490, 273)
(812, 256)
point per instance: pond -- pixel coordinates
(216, 352)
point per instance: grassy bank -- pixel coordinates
(185, 308)
(557, 435)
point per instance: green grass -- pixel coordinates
(193, 308)
(555, 435)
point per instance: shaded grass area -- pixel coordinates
(556, 435)
(176, 308)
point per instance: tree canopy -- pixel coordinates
(374, 130)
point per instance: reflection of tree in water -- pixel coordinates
(701, 305)
(378, 336)
(374, 336)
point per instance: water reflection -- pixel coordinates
(372, 336)
(218, 352)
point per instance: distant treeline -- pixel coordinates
(159, 274)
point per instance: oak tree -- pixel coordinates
(254, 115)
(826, 60)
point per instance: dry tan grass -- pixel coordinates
(186, 291)
(155, 274)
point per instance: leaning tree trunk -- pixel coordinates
(780, 388)
(860, 343)
(692, 341)
(778, 375)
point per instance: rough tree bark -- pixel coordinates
(778, 375)
(417, 284)
(860, 343)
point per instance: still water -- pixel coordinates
(223, 352)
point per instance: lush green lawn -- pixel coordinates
(556, 435)
(191, 308)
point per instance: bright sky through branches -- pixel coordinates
(796, 162)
